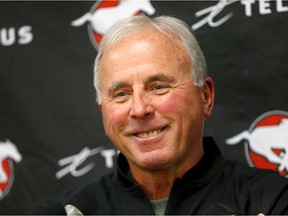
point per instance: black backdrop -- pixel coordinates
(47, 100)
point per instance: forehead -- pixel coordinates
(149, 41)
(143, 51)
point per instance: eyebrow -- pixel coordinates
(116, 85)
(160, 77)
(157, 77)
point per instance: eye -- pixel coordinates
(120, 94)
(158, 87)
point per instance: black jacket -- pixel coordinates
(213, 186)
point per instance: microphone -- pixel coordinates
(72, 210)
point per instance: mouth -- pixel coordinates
(149, 134)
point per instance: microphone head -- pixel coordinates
(72, 210)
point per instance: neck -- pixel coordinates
(154, 184)
(157, 184)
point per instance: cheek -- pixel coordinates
(167, 104)
(114, 117)
(178, 103)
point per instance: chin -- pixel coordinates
(154, 161)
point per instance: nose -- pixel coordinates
(141, 106)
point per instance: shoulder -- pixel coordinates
(89, 197)
(98, 188)
(250, 174)
(264, 190)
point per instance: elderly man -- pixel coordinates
(154, 96)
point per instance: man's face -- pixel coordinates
(152, 111)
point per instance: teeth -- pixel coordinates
(149, 134)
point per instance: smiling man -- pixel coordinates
(154, 96)
(152, 110)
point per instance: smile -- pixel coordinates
(149, 134)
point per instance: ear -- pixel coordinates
(208, 96)
(100, 108)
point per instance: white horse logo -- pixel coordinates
(7, 150)
(102, 19)
(263, 139)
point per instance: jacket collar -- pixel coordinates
(210, 164)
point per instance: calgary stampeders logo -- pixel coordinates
(8, 151)
(266, 142)
(105, 13)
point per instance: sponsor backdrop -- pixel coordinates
(51, 135)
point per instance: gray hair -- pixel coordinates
(169, 26)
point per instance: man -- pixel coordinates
(154, 96)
